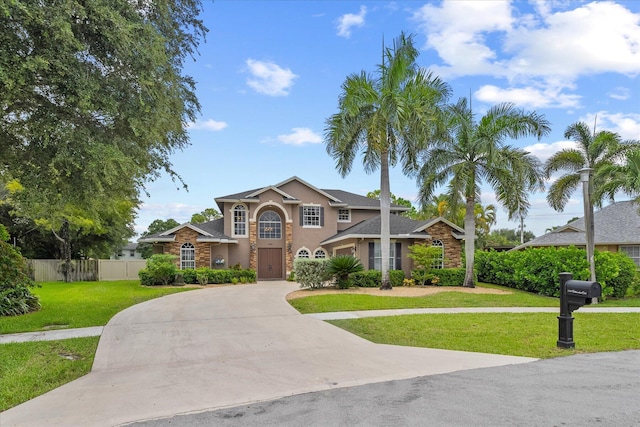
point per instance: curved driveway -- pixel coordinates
(221, 347)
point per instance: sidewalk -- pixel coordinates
(61, 334)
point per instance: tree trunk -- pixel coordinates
(65, 249)
(469, 241)
(385, 212)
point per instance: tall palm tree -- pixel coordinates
(594, 150)
(388, 117)
(473, 152)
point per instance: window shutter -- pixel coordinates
(321, 216)
(398, 256)
(371, 254)
(301, 216)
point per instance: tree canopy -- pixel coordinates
(94, 102)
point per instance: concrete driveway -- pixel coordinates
(222, 347)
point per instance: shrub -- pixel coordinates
(341, 267)
(15, 294)
(311, 273)
(373, 278)
(161, 270)
(450, 276)
(537, 269)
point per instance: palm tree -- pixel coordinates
(475, 152)
(389, 117)
(594, 150)
(620, 178)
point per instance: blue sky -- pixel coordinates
(270, 73)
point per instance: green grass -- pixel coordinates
(81, 304)
(30, 369)
(522, 334)
(355, 302)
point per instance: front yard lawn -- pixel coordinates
(521, 334)
(355, 302)
(82, 304)
(30, 369)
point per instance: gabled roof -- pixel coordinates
(616, 224)
(456, 231)
(336, 198)
(211, 231)
(400, 228)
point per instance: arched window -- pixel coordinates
(270, 226)
(239, 220)
(187, 256)
(438, 262)
(302, 253)
(319, 253)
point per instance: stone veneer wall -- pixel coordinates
(289, 250)
(187, 235)
(452, 246)
(253, 240)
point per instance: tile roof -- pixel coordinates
(400, 227)
(213, 230)
(616, 224)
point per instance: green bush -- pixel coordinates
(341, 267)
(373, 278)
(311, 273)
(161, 270)
(15, 294)
(537, 269)
(450, 276)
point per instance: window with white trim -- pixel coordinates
(632, 252)
(319, 254)
(377, 256)
(187, 257)
(303, 253)
(438, 261)
(239, 220)
(344, 215)
(311, 216)
(270, 226)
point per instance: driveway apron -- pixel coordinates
(221, 347)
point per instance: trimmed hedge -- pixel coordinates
(373, 278)
(213, 277)
(450, 276)
(537, 269)
(216, 277)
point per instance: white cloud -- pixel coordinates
(528, 96)
(349, 20)
(540, 54)
(300, 136)
(625, 125)
(620, 93)
(210, 124)
(543, 150)
(269, 78)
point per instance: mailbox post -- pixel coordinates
(573, 295)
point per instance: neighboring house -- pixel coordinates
(265, 229)
(127, 252)
(616, 229)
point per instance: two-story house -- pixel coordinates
(265, 229)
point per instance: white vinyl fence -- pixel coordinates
(49, 270)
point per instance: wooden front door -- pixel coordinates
(270, 263)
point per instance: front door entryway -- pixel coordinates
(270, 263)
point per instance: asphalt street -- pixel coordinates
(601, 389)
